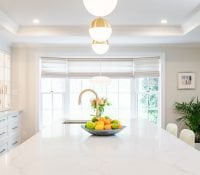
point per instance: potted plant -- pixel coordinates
(190, 115)
(103, 102)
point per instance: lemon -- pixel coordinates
(99, 127)
(100, 123)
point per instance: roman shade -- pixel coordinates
(88, 67)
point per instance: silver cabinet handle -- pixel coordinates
(2, 120)
(14, 127)
(3, 150)
(2, 133)
(14, 116)
(15, 143)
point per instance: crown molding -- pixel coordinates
(8, 24)
(84, 45)
(52, 31)
(83, 30)
(192, 23)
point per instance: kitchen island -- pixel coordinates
(140, 149)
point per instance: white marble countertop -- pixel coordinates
(141, 149)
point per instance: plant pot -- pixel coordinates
(197, 137)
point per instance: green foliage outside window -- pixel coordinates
(148, 98)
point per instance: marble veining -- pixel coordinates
(140, 149)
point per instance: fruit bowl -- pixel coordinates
(103, 126)
(103, 132)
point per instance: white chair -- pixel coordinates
(188, 136)
(172, 128)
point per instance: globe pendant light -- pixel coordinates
(100, 30)
(100, 47)
(100, 80)
(100, 7)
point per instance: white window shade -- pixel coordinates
(145, 67)
(74, 67)
(54, 67)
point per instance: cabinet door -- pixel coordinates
(3, 132)
(2, 62)
(5, 64)
(2, 75)
(13, 141)
(7, 82)
(3, 148)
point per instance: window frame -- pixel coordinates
(52, 93)
(158, 93)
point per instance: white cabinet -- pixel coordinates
(10, 135)
(4, 81)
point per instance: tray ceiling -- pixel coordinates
(132, 20)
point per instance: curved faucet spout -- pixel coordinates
(96, 95)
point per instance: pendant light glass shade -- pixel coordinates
(100, 29)
(100, 7)
(101, 80)
(100, 47)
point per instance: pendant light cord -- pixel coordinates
(100, 68)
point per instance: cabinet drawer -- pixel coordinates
(3, 122)
(13, 128)
(14, 141)
(3, 148)
(14, 117)
(3, 132)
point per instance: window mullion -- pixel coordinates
(67, 98)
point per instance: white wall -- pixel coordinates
(4, 45)
(25, 75)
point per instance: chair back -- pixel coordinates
(188, 136)
(172, 128)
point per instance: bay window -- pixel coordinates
(133, 92)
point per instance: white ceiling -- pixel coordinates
(72, 12)
(133, 21)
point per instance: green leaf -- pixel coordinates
(190, 113)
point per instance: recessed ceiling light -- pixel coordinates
(163, 21)
(36, 21)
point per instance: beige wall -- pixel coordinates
(25, 75)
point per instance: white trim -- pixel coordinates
(67, 100)
(162, 90)
(133, 98)
(38, 97)
(8, 24)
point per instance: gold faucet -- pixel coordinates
(97, 99)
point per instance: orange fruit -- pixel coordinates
(102, 119)
(120, 126)
(107, 127)
(107, 121)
